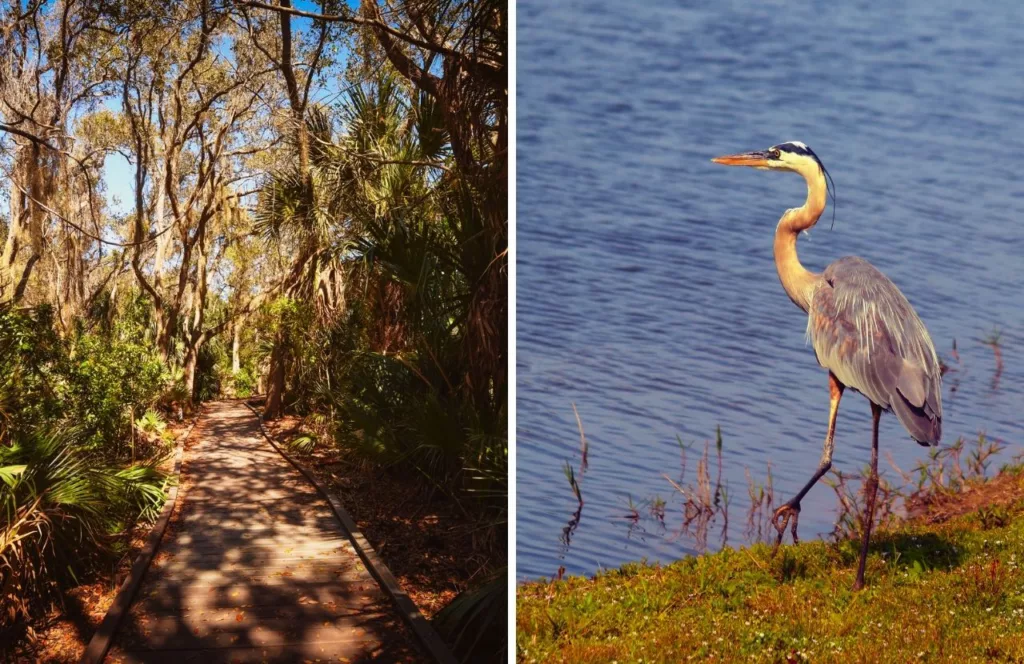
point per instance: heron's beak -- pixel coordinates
(756, 159)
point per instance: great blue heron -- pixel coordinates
(863, 330)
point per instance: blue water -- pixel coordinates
(646, 289)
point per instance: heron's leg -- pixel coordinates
(871, 490)
(791, 510)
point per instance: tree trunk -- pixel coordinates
(236, 335)
(160, 321)
(275, 381)
(8, 276)
(191, 362)
(19, 290)
(27, 217)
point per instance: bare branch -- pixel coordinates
(11, 129)
(358, 20)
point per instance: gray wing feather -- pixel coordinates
(865, 332)
(912, 384)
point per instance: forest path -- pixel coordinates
(254, 566)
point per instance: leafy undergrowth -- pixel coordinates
(62, 633)
(941, 587)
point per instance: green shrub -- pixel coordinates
(151, 424)
(210, 369)
(245, 381)
(60, 507)
(151, 430)
(475, 623)
(106, 380)
(66, 489)
(30, 359)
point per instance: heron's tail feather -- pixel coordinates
(923, 424)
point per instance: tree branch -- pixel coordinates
(30, 136)
(358, 20)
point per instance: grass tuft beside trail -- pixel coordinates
(937, 591)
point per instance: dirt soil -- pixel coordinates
(1003, 490)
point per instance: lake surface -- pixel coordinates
(646, 289)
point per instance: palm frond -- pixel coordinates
(475, 622)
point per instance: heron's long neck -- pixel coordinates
(796, 279)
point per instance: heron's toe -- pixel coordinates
(784, 512)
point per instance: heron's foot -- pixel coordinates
(787, 515)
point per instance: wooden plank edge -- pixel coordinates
(427, 636)
(103, 638)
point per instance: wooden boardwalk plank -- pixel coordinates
(361, 652)
(249, 560)
(255, 567)
(165, 633)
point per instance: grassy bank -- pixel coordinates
(946, 585)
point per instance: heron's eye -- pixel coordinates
(774, 153)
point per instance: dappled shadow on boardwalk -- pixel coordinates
(255, 567)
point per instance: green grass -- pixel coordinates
(944, 592)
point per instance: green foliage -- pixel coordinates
(245, 382)
(175, 393)
(210, 370)
(60, 506)
(995, 516)
(30, 357)
(106, 377)
(475, 623)
(153, 428)
(151, 423)
(387, 408)
(303, 444)
(66, 487)
(398, 368)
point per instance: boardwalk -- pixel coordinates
(254, 566)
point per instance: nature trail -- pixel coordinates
(254, 565)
